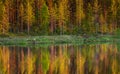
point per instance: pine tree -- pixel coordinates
(118, 14)
(96, 10)
(90, 27)
(21, 16)
(113, 15)
(51, 11)
(103, 26)
(44, 18)
(29, 16)
(37, 10)
(79, 11)
(11, 15)
(62, 15)
(1, 12)
(5, 20)
(80, 15)
(4, 17)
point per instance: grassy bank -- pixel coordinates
(63, 39)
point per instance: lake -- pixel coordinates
(61, 59)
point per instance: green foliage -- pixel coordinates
(90, 20)
(44, 19)
(117, 33)
(45, 61)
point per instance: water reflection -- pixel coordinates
(62, 59)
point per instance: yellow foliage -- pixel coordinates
(22, 62)
(4, 60)
(80, 63)
(63, 62)
(29, 14)
(103, 24)
(114, 66)
(114, 8)
(79, 11)
(30, 63)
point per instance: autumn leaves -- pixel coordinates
(51, 17)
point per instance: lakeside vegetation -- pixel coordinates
(63, 39)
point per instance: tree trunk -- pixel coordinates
(28, 28)
(51, 25)
(3, 30)
(21, 25)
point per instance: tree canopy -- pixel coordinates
(51, 17)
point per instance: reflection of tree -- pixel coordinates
(22, 62)
(13, 61)
(30, 60)
(45, 60)
(63, 59)
(114, 62)
(80, 61)
(4, 60)
(52, 59)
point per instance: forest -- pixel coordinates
(59, 17)
(59, 36)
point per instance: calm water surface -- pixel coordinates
(61, 59)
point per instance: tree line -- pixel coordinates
(58, 17)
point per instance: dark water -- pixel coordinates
(61, 59)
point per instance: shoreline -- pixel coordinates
(61, 39)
